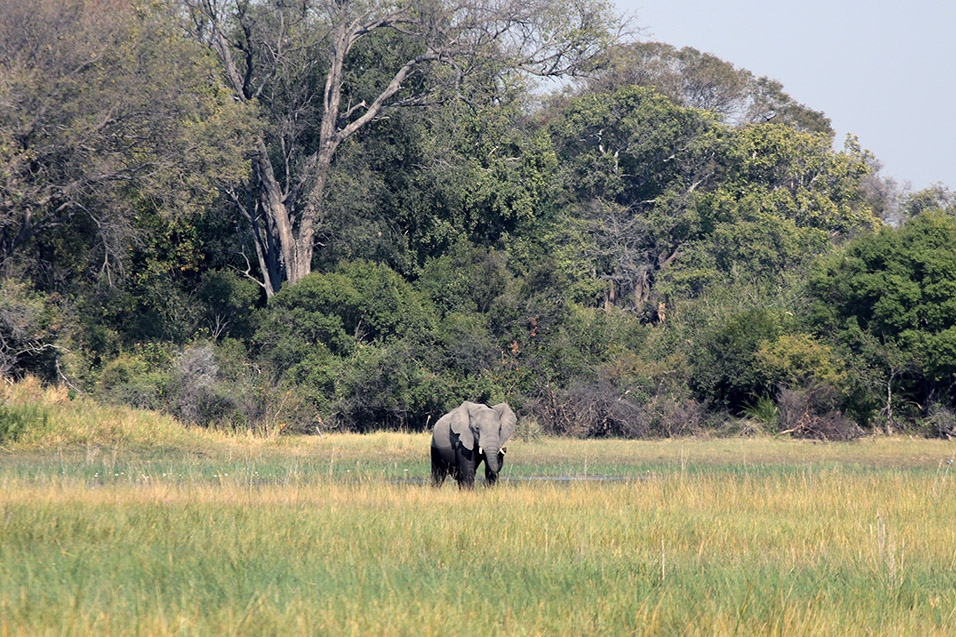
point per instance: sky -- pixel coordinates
(883, 71)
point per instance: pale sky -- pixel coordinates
(880, 70)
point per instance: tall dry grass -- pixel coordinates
(121, 522)
(827, 546)
(55, 418)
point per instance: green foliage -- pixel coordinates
(359, 302)
(620, 146)
(765, 411)
(629, 259)
(699, 80)
(937, 197)
(229, 302)
(418, 184)
(782, 198)
(890, 299)
(18, 420)
(663, 201)
(105, 110)
(798, 360)
(29, 326)
(141, 380)
(385, 386)
(725, 367)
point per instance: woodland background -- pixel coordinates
(307, 216)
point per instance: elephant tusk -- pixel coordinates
(504, 450)
(481, 451)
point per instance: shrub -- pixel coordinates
(29, 325)
(725, 368)
(798, 359)
(813, 412)
(135, 380)
(386, 387)
(197, 375)
(764, 411)
(359, 302)
(670, 415)
(528, 429)
(17, 420)
(465, 344)
(941, 422)
(589, 410)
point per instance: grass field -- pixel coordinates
(198, 534)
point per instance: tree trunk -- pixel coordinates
(449, 33)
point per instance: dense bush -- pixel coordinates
(601, 409)
(140, 380)
(612, 262)
(889, 302)
(29, 326)
(385, 386)
(725, 365)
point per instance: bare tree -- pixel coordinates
(298, 61)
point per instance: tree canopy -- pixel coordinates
(309, 215)
(107, 111)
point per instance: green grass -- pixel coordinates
(334, 536)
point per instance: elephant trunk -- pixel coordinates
(493, 459)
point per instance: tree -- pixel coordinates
(320, 71)
(701, 80)
(631, 160)
(106, 109)
(936, 197)
(890, 299)
(659, 193)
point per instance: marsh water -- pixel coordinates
(558, 479)
(105, 467)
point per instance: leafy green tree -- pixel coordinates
(661, 194)
(725, 362)
(890, 299)
(323, 70)
(386, 385)
(622, 155)
(107, 111)
(686, 76)
(703, 81)
(780, 198)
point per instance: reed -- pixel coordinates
(324, 536)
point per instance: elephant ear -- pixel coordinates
(461, 425)
(508, 421)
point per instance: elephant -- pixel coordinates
(468, 435)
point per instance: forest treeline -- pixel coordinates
(307, 215)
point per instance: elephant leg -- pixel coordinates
(466, 467)
(439, 468)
